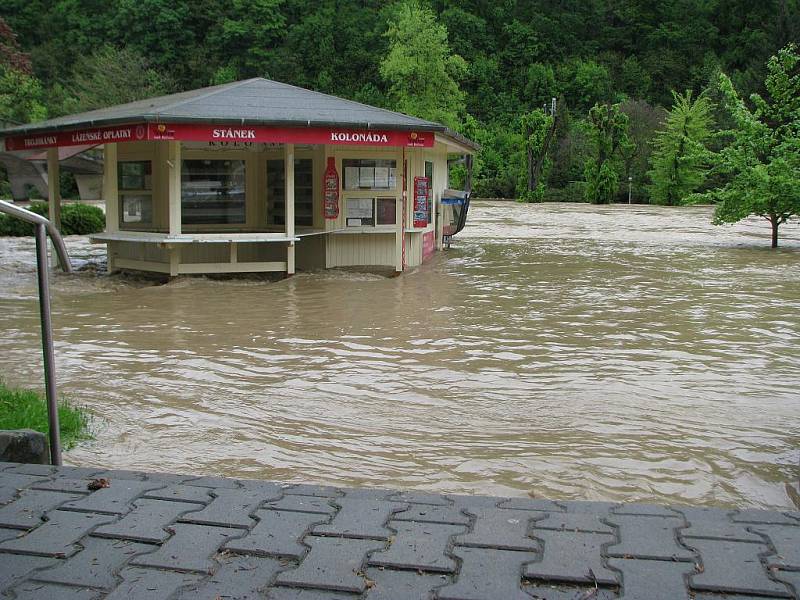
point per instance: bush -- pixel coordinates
(82, 219)
(76, 219)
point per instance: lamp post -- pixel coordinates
(630, 183)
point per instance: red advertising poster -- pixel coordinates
(428, 244)
(191, 132)
(330, 185)
(422, 194)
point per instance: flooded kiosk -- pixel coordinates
(260, 176)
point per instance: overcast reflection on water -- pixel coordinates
(562, 351)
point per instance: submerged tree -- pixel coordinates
(761, 166)
(538, 127)
(681, 160)
(420, 69)
(608, 130)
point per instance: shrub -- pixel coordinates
(76, 219)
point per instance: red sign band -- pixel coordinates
(219, 133)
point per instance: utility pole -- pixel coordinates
(630, 183)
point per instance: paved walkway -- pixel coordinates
(155, 536)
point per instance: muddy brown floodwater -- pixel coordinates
(563, 351)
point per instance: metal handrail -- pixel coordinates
(43, 227)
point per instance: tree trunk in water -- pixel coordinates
(773, 219)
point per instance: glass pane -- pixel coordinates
(212, 192)
(134, 175)
(359, 212)
(387, 211)
(303, 192)
(137, 208)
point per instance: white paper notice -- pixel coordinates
(351, 178)
(366, 177)
(359, 208)
(382, 178)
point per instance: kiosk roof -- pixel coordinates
(250, 102)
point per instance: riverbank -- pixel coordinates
(27, 409)
(131, 535)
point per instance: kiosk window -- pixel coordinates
(212, 192)
(368, 212)
(303, 192)
(429, 175)
(135, 183)
(369, 174)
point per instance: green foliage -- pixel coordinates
(26, 409)
(644, 121)
(20, 97)
(76, 219)
(421, 71)
(113, 76)
(761, 165)
(608, 132)
(681, 159)
(535, 126)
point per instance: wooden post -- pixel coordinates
(288, 162)
(53, 188)
(174, 186)
(110, 189)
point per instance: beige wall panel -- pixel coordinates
(351, 250)
(269, 252)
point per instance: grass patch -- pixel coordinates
(27, 409)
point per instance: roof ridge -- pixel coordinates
(386, 110)
(217, 89)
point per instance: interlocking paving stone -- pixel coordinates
(309, 504)
(146, 521)
(64, 484)
(95, 565)
(420, 498)
(539, 591)
(287, 593)
(114, 500)
(332, 564)
(16, 567)
(402, 585)
(361, 518)
(488, 573)
(419, 546)
(578, 506)
(214, 482)
(12, 483)
(652, 579)
(715, 524)
(150, 584)
(477, 502)
(531, 504)
(649, 510)
(27, 511)
(572, 557)
(585, 522)
(766, 517)
(56, 536)
(232, 508)
(648, 538)
(430, 513)
(733, 567)
(9, 534)
(181, 493)
(238, 577)
(36, 590)
(278, 533)
(790, 577)
(499, 528)
(191, 548)
(786, 541)
(368, 493)
(321, 491)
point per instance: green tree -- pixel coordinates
(537, 128)
(113, 76)
(420, 69)
(762, 163)
(20, 92)
(680, 161)
(608, 131)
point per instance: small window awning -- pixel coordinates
(255, 110)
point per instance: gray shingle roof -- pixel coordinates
(253, 102)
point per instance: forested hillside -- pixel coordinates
(516, 57)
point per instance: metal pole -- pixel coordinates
(630, 182)
(47, 344)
